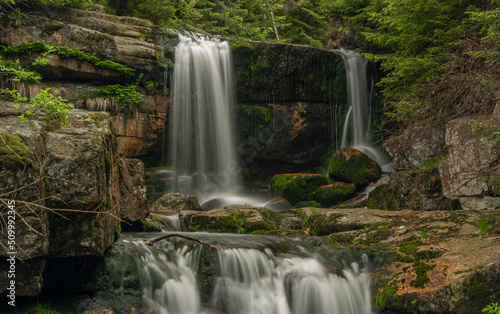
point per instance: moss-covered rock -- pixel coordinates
(351, 165)
(296, 187)
(323, 224)
(230, 219)
(303, 204)
(332, 194)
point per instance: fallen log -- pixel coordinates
(151, 242)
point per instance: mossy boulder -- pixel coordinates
(353, 166)
(304, 204)
(231, 219)
(332, 194)
(296, 187)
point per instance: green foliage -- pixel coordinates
(65, 52)
(12, 70)
(126, 94)
(47, 100)
(483, 226)
(493, 308)
(42, 309)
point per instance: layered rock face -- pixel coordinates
(465, 156)
(130, 42)
(70, 188)
(69, 183)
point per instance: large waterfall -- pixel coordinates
(357, 132)
(201, 135)
(247, 274)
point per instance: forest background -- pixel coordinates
(439, 58)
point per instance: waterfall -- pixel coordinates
(256, 275)
(201, 134)
(261, 283)
(358, 122)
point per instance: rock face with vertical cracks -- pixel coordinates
(70, 188)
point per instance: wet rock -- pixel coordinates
(176, 202)
(232, 219)
(286, 73)
(278, 205)
(333, 193)
(351, 165)
(296, 187)
(133, 190)
(412, 189)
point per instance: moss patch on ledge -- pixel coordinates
(65, 52)
(15, 153)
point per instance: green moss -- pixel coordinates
(150, 225)
(15, 153)
(408, 248)
(402, 258)
(421, 270)
(65, 52)
(235, 222)
(303, 204)
(297, 187)
(52, 28)
(332, 194)
(322, 224)
(388, 298)
(357, 168)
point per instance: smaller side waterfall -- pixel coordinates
(358, 122)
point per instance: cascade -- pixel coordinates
(256, 274)
(358, 122)
(201, 135)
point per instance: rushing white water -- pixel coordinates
(168, 222)
(264, 275)
(358, 121)
(262, 283)
(201, 134)
(167, 279)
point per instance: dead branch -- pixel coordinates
(151, 242)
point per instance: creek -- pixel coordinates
(247, 274)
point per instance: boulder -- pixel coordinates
(351, 165)
(176, 202)
(278, 205)
(469, 171)
(234, 219)
(296, 187)
(417, 147)
(333, 193)
(412, 189)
